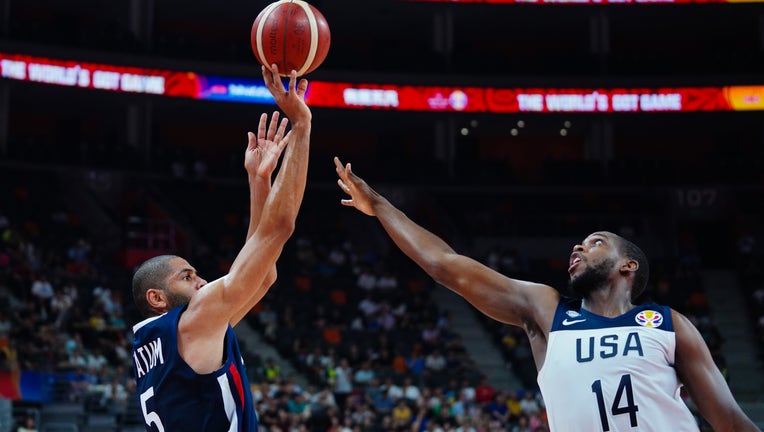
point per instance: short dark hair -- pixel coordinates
(151, 274)
(633, 252)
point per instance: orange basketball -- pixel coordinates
(292, 34)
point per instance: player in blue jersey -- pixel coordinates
(605, 364)
(189, 370)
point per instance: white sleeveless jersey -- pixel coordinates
(612, 374)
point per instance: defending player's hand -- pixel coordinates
(362, 197)
(263, 150)
(290, 100)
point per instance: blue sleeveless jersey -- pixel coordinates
(174, 398)
(613, 374)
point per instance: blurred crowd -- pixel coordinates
(374, 351)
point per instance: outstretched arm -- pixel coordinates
(260, 159)
(704, 381)
(203, 325)
(283, 202)
(504, 299)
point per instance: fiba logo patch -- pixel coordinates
(572, 314)
(649, 318)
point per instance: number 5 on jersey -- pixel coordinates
(150, 417)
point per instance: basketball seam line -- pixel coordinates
(313, 48)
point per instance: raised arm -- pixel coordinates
(504, 299)
(260, 159)
(704, 381)
(203, 325)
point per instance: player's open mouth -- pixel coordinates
(575, 258)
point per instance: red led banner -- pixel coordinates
(383, 96)
(474, 99)
(99, 76)
(584, 2)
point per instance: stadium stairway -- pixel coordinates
(255, 345)
(731, 316)
(6, 415)
(63, 416)
(90, 194)
(478, 343)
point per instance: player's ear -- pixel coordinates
(156, 298)
(629, 266)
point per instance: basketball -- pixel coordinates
(292, 34)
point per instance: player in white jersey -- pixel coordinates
(605, 364)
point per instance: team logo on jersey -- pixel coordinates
(649, 318)
(573, 314)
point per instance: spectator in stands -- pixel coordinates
(415, 365)
(484, 392)
(411, 391)
(43, 290)
(79, 382)
(355, 356)
(391, 389)
(96, 361)
(29, 424)
(522, 425)
(367, 280)
(435, 363)
(363, 375)
(60, 306)
(363, 415)
(368, 305)
(297, 404)
(467, 390)
(498, 408)
(115, 397)
(430, 336)
(385, 319)
(272, 370)
(387, 281)
(514, 404)
(402, 414)
(379, 397)
(529, 405)
(422, 419)
(343, 382)
(322, 400)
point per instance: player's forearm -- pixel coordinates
(422, 246)
(736, 421)
(259, 188)
(745, 425)
(255, 297)
(289, 186)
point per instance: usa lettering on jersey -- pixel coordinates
(608, 346)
